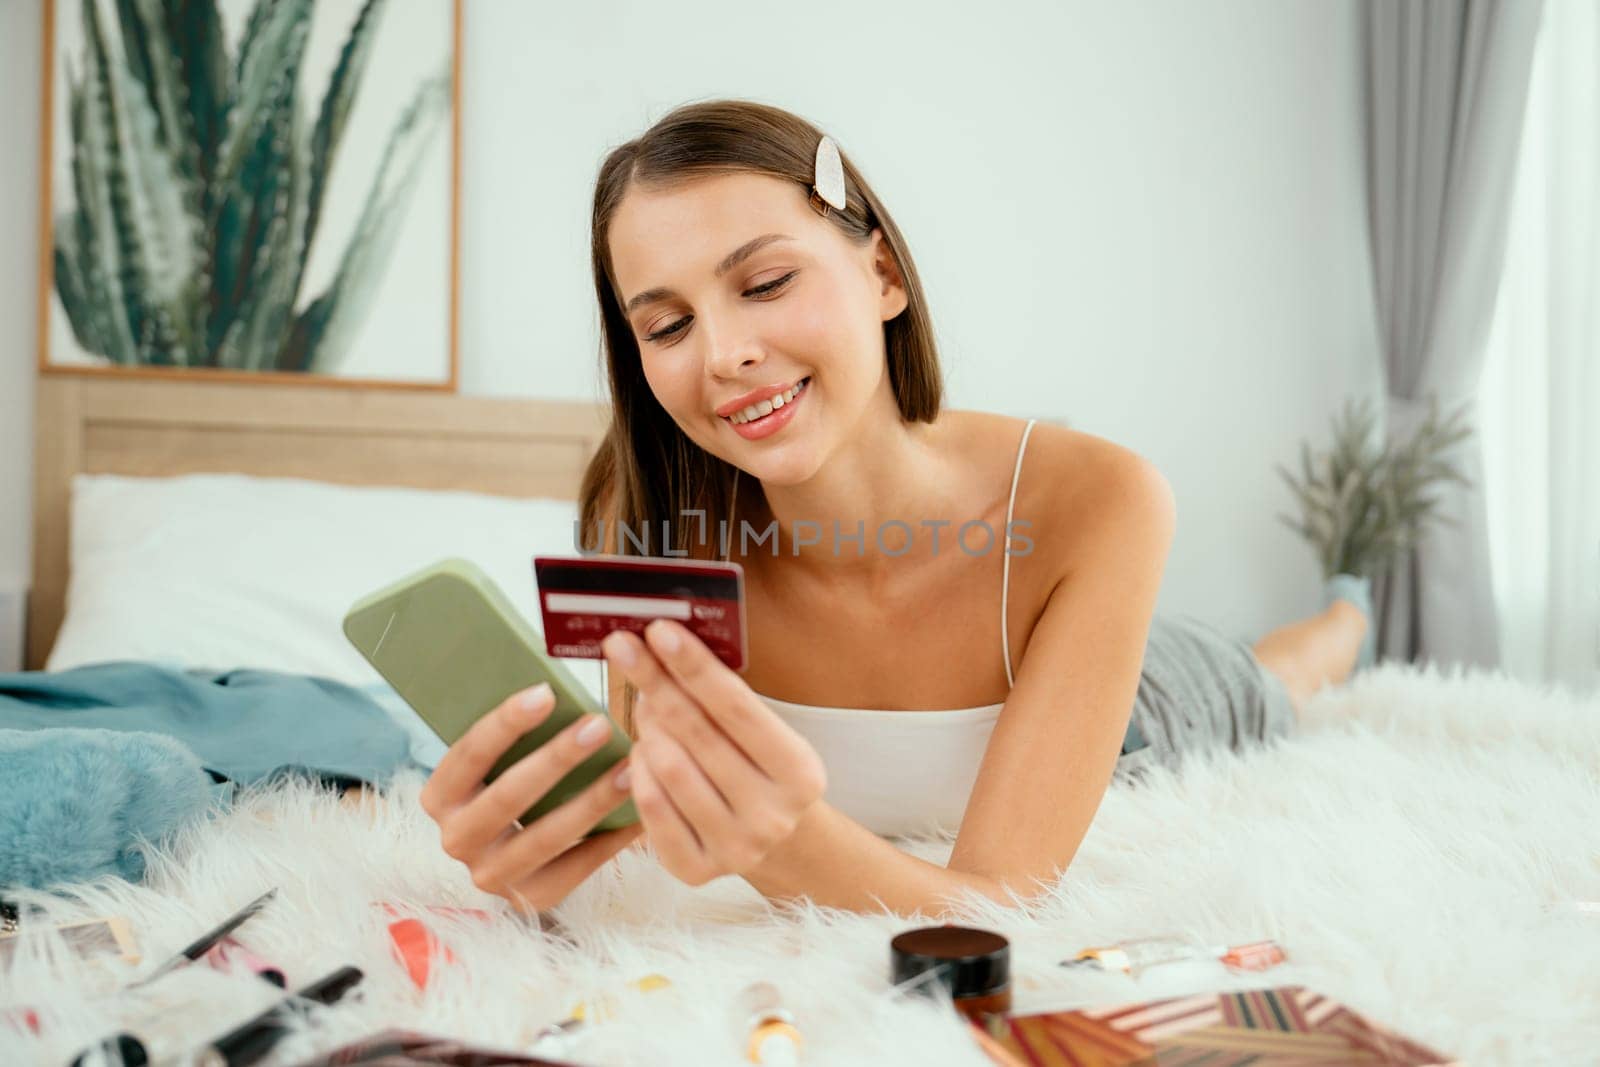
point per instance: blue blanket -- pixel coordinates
(96, 759)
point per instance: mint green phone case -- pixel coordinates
(453, 646)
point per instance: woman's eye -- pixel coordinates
(772, 285)
(678, 326)
(666, 331)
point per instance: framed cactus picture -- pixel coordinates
(252, 189)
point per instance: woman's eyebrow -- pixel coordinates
(733, 259)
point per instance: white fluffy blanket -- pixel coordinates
(1411, 849)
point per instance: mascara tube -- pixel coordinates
(156, 1037)
(119, 1050)
(250, 1041)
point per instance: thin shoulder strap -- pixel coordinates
(1005, 551)
(733, 509)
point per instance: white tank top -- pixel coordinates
(906, 772)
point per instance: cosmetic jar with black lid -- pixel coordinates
(974, 965)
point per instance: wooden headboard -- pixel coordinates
(424, 440)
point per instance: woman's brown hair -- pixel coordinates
(647, 474)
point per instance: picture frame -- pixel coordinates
(251, 191)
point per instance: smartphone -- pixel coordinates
(453, 646)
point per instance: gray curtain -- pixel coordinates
(1447, 85)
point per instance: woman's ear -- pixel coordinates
(893, 298)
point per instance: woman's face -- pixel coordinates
(722, 309)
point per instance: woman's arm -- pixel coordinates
(838, 863)
(1054, 750)
(1055, 746)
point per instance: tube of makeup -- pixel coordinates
(771, 1036)
(1132, 957)
(253, 1039)
(559, 1037)
(1137, 954)
(1257, 956)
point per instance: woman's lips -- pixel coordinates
(768, 425)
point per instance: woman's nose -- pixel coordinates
(732, 359)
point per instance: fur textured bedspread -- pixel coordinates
(1412, 849)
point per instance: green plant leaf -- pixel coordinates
(265, 313)
(95, 147)
(154, 207)
(336, 104)
(1293, 524)
(73, 235)
(72, 287)
(268, 314)
(253, 176)
(176, 50)
(1367, 497)
(151, 57)
(324, 331)
(199, 50)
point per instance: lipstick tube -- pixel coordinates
(1254, 957)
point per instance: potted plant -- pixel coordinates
(1365, 501)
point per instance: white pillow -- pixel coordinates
(222, 571)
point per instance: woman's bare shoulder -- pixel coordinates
(1069, 459)
(1069, 477)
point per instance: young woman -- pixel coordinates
(772, 365)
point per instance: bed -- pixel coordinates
(354, 437)
(1420, 850)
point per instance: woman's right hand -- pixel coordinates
(536, 866)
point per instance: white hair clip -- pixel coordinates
(829, 187)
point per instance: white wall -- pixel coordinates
(1144, 218)
(19, 281)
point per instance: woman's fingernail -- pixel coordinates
(666, 637)
(593, 732)
(622, 779)
(535, 697)
(620, 650)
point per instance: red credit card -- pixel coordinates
(584, 598)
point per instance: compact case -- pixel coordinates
(973, 965)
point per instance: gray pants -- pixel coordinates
(1200, 689)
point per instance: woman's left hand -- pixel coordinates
(718, 779)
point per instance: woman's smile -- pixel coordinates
(769, 416)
